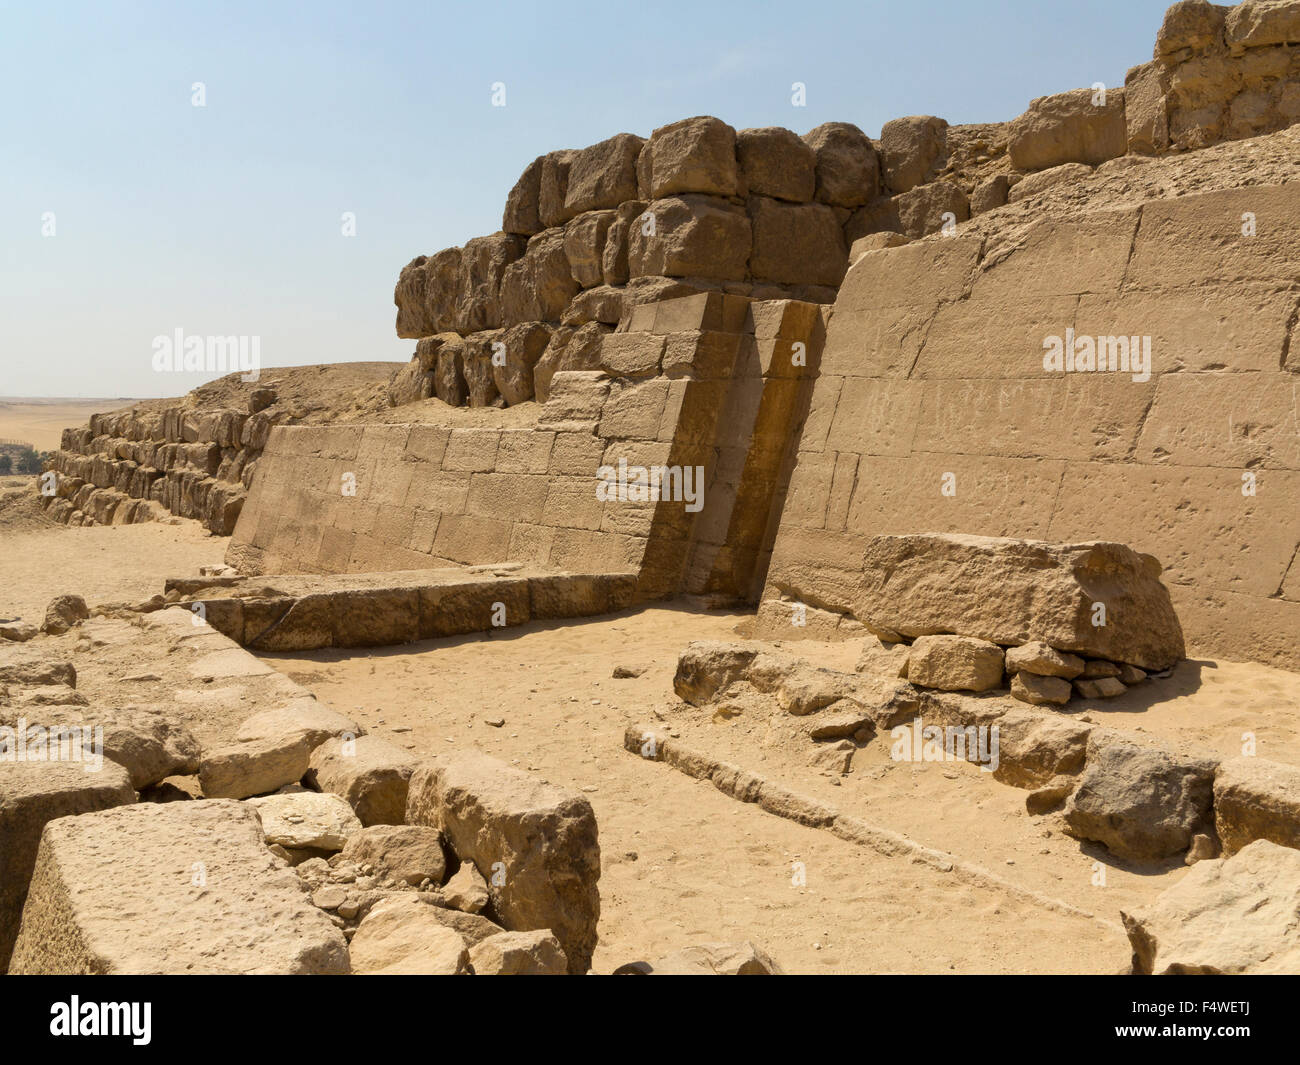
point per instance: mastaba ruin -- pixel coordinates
(979, 426)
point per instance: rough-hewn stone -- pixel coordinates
(1231, 916)
(369, 772)
(1013, 591)
(174, 888)
(1081, 126)
(1142, 802)
(32, 794)
(1255, 798)
(912, 150)
(954, 663)
(534, 843)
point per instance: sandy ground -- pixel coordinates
(681, 862)
(40, 559)
(40, 422)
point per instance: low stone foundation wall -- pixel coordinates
(378, 609)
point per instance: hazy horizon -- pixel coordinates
(227, 219)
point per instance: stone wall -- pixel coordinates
(708, 383)
(195, 456)
(935, 412)
(135, 466)
(1218, 73)
(589, 234)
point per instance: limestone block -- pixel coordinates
(173, 888)
(1079, 126)
(534, 844)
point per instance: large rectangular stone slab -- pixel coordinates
(1012, 591)
(256, 767)
(174, 888)
(31, 795)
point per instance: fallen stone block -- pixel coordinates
(258, 767)
(31, 795)
(534, 844)
(1143, 803)
(473, 928)
(466, 890)
(1034, 749)
(1230, 916)
(305, 717)
(306, 820)
(174, 888)
(886, 659)
(1101, 688)
(148, 744)
(840, 720)
(410, 853)
(1255, 798)
(63, 613)
(1037, 657)
(1096, 668)
(803, 689)
(706, 667)
(403, 936)
(369, 772)
(1013, 591)
(955, 663)
(519, 954)
(1040, 691)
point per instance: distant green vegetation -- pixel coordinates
(24, 459)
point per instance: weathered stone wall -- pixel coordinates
(1218, 73)
(588, 235)
(708, 383)
(135, 466)
(934, 411)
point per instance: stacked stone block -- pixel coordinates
(588, 235)
(139, 465)
(1218, 73)
(708, 383)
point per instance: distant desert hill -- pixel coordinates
(40, 421)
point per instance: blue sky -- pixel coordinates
(226, 219)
